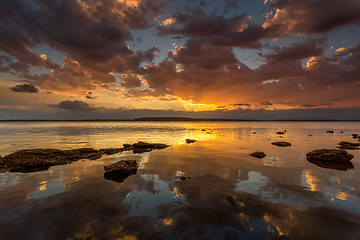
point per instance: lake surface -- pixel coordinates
(281, 196)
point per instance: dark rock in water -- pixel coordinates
(341, 131)
(111, 151)
(310, 135)
(123, 166)
(258, 154)
(281, 144)
(127, 146)
(190, 141)
(141, 147)
(183, 178)
(280, 133)
(284, 130)
(230, 200)
(121, 170)
(203, 130)
(31, 160)
(254, 132)
(329, 155)
(348, 145)
(330, 131)
(355, 136)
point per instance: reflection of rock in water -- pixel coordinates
(342, 166)
(118, 176)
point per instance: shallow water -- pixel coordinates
(280, 196)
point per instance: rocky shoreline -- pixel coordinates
(32, 160)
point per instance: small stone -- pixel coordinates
(281, 144)
(203, 130)
(258, 154)
(330, 131)
(280, 133)
(190, 141)
(254, 132)
(183, 178)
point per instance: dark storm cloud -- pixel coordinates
(314, 16)
(73, 106)
(215, 29)
(92, 33)
(24, 88)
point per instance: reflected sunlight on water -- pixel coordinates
(227, 194)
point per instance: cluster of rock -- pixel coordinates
(30, 160)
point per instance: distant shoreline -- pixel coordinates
(176, 119)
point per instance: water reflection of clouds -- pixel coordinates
(146, 203)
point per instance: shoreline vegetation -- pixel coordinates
(176, 119)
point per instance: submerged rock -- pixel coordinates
(281, 144)
(329, 155)
(30, 160)
(258, 154)
(190, 141)
(348, 145)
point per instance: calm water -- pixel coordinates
(282, 196)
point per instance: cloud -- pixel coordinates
(217, 30)
(73, 106)
(131, 80)
(24, 88)
(313, 16)
(91, 33)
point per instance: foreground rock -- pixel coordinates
(281, 144)
(331, 158)
(121, 170)
(32, 160)
(258, 154)
(42, 159)
(348, 145)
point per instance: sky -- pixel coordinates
(234, 59)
